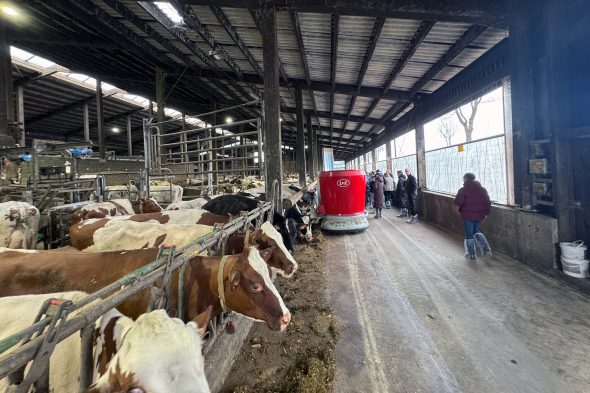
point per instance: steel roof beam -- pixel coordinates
(104, 24)
(327, 129)
(375, 34)
(61, 109)
(301, 46)
(334, 115)
(480, 12)
(111, 119)
(335, 21)
(413, 45)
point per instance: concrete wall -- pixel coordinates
(527, 237)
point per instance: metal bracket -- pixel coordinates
(160, 294)
(38, 375)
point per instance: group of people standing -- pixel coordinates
(384, 192)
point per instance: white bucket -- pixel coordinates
(575, 267)
(574, 250)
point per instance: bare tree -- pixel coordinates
(445, 128)
(467, 123)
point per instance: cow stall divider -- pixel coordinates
(213, 151)
(103, 300)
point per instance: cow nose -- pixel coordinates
(285, 321)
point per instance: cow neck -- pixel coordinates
(220, 287)
(246, 238)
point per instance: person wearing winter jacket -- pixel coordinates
(411, 187)
(474, 205)
(401, 196)
(378, 188)
(389, 188)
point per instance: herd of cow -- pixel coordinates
(136, 351)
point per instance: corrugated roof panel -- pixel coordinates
(392, 43)
(446, 32)
(361, 105)
(353, 36)
(322, 101)
(382, 108)
(316, 34)
(338, 123)
(341, 103)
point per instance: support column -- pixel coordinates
(312, 167)
(86, 123)
(100, 121)
(129, 141)
(522, 98)
(20, 101)
(300, 136)
(184, 140)
(420, 147)
(160, 88)
(272, 127)
(388, 157)
(320, 154)
(373, 160)
(6, 138)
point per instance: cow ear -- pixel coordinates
(266, 253)
(202, 320)
(234, 280)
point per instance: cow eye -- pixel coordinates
(255, 287)
(135, 390)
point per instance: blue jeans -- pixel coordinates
(471, 227)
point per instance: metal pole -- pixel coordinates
(310, 153)
(261, 162)
(86, 123)
(420, 147)
(129, 141)
(300, 140)
(6, 138)
(160, 87)
(314, 151)
(20, 101)
(272, 125)
(100, 120)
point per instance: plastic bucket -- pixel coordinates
(574, 250)
(575, 267)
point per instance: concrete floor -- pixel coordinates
(415, 316)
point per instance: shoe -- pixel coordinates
(413, 220)
(403, 213)
(469, 249)
(483, 244)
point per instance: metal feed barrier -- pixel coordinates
(199, 149)
(38, 349)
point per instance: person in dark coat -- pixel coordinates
(411, 187)
(378, 195)
(473, 203)
(401, 196)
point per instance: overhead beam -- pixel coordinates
(61, 40)
(303, 56)
(61, 109)
(413, 45)
(375, 34)
(327, 129)
(78, 130)
(335, 116)
(335, 22)
(480, 12)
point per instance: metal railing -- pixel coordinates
(116, 293)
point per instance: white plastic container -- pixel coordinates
(574, 250)
(575, 267)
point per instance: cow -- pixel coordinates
(230, 204)
(163, 192)
(242, 285)
(103, 234)
(126, 353)
(116, 207)
(121, 191)
(300, 219)
(196, 203)
(19, 223)
(185, 217)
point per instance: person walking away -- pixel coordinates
(402, 198)
(474, 205)
(389, 188)
(378, 189)
(412, 192)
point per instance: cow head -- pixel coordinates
(280, 224)
(268, 238)
(149, 205)
(157, 354)
(251, 292)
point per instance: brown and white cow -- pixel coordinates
(196, 203)
(247, 286)
(185, 217)
(115, 207)
(19, 223)
(127, 354)
(102, 234)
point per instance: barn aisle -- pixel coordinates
(415, 316)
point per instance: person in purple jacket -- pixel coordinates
(474, 205)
